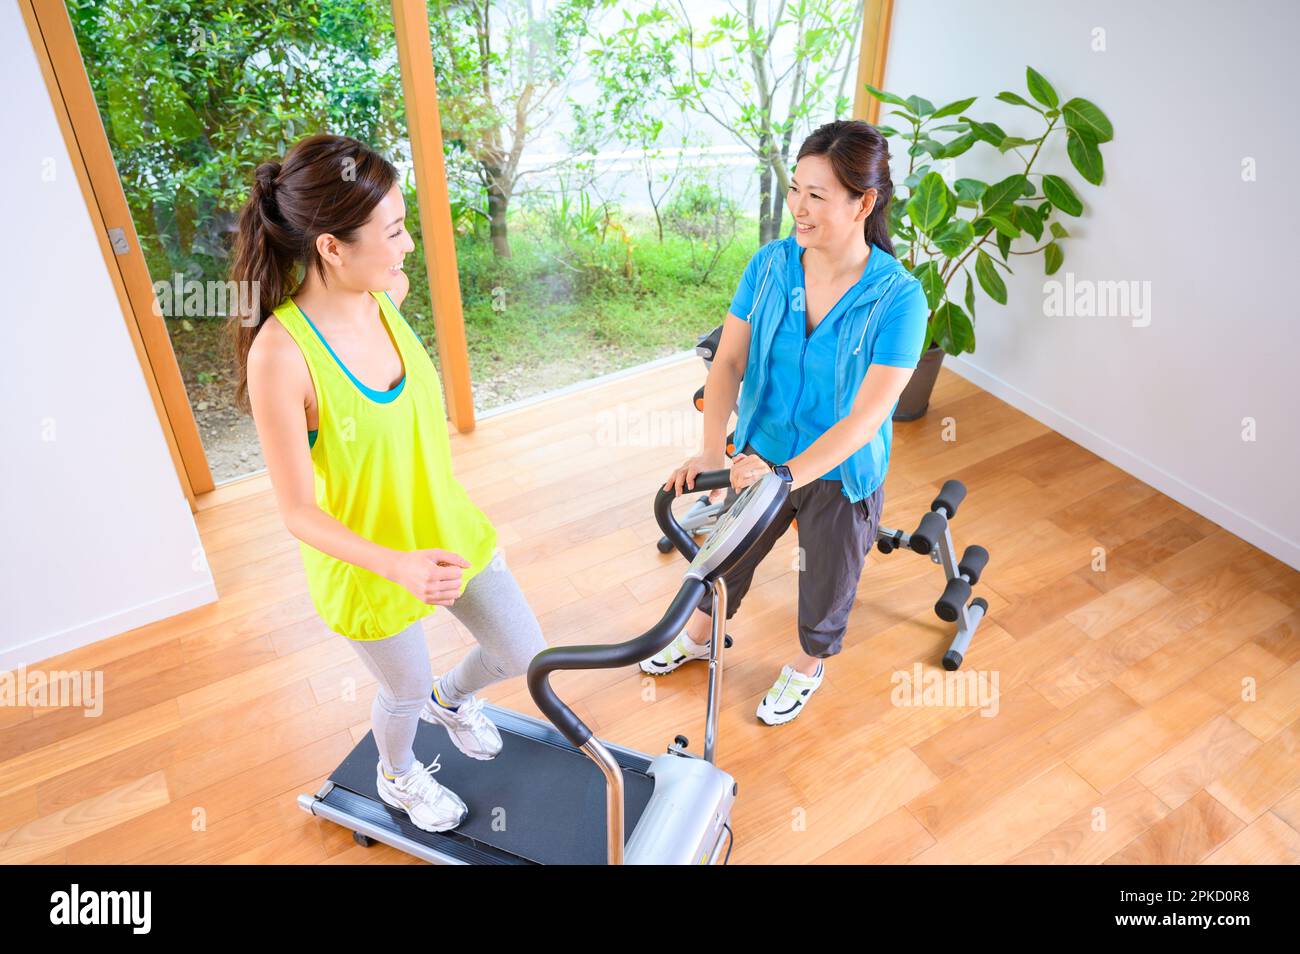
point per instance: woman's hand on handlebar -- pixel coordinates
(747, 469)
(433, 576)
(684, 476)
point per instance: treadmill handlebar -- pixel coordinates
(606, 657)
(683, 541)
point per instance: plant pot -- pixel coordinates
(915, 399)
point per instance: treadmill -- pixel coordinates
(555, 794)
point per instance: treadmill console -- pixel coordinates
(740, 527)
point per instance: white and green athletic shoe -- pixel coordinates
(468, 725)
(788, 695)
(680, 650)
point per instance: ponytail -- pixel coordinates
(262, 270)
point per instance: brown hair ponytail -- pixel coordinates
(325, 185)
(859, 155)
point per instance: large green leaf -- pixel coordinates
(914, 179)
(955, 147)
(1085, 155)
(952, 109)
(1011, 142)
(952, 329)
(999, 196)
(1061, 195)
(990, 280)
(1026, 217)
(1004, 244)
(969, 190)
(1053, 257)
(1040, 89)
(954, 237)
(1088, 119)
(920, 105)
(991, 133)
(886, 97)
(1015, 99)
(931, 203)
(927, 273)
(898, 221)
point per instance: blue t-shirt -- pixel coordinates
(798, 405)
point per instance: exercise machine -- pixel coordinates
(556, 794)
(933, 538)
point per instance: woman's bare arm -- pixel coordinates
(722, 386)
(277, 374)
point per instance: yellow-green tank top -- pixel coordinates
(382, 468)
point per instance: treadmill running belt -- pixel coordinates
(548, 798)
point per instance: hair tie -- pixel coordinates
(266, 175)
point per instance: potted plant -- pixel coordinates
(936, 241)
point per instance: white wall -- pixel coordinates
(1193, 88)
(98, 535)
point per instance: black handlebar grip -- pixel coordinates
(927, 534)
(708, 345)
(605, 656)
(955, 595)
(663, 506)
(552, 706)
(973, 561)
(951, 494)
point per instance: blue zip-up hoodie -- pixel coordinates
(886, 285)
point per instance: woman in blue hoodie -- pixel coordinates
(825, 330)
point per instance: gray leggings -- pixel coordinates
(494, 610)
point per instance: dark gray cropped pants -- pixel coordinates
(835, 536)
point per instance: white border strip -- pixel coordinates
(35, 651)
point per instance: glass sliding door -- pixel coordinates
(192, 97)
(613, 166)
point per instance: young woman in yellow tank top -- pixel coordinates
(349, 413)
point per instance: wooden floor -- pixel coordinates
(1147, 712)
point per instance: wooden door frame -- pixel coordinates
(424, 130)
(50, 30)
(877, 19)
(53, 39)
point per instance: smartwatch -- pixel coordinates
(782, 471)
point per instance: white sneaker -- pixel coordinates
(788, 695)
(471, 731)
(680, 650)
(430, 806)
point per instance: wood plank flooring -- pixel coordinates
(1147, 665)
